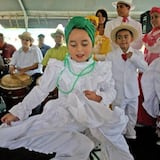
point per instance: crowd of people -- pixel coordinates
(103, 78)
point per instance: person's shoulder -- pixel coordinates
(136, 51)
(46, 46)
(64, 46)
(103, 66)
(135, 21)
(8, 45)
(35, 49)
(155, 64)
(112, 21)
(105, 38)
(55, 62)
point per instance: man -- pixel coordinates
(123, 8)
(58, 51)
(43, 47)
(6, 52)
(27, 59)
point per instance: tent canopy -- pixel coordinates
(50, 13)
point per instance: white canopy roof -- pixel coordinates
(49, 13)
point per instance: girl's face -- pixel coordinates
(123, 39)
(155, 19)
(79, 45)
(101, 18)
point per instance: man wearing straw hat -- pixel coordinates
(58, 51)
(27, 59)
(123, 8)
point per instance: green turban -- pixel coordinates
(80, 23)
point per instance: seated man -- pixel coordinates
(27, 59)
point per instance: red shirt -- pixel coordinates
(7, 50)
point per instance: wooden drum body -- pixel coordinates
(14, 88)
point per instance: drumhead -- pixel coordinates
(15, 81)
(10, 88)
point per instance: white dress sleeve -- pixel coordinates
(47, 83)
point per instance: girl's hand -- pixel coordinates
(91, 95)
(8, 118)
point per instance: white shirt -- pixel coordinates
(23, 59)
(125, 72)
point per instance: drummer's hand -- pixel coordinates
(8, 118)
(21, 70)
(11, 69)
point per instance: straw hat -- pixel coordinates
(26, 35)
(58, 31)
(128, 2)
(121, 27)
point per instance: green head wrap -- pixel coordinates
(80, 23)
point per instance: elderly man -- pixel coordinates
(58, 51)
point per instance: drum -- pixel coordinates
(14, 88)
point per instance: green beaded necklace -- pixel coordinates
(84, 72)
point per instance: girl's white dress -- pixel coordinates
(151, 88)
(60, 128)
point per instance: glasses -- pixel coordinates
(26, 40)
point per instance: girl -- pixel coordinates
(151, 90)
(86, 89)
(102, 43)
(151, 42)
(152, 39)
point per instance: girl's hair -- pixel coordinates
(104, 14)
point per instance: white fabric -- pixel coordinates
(23, 59)
(151, 88)
(110, 25)
(155, 44)
(126, 83)
(125, 72)
(60, 126)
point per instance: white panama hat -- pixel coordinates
(26, 35)
(128, 2)
(121, 27)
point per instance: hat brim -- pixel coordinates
(114, 4)
(23, 37)
(121, 27)
(53, 35)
